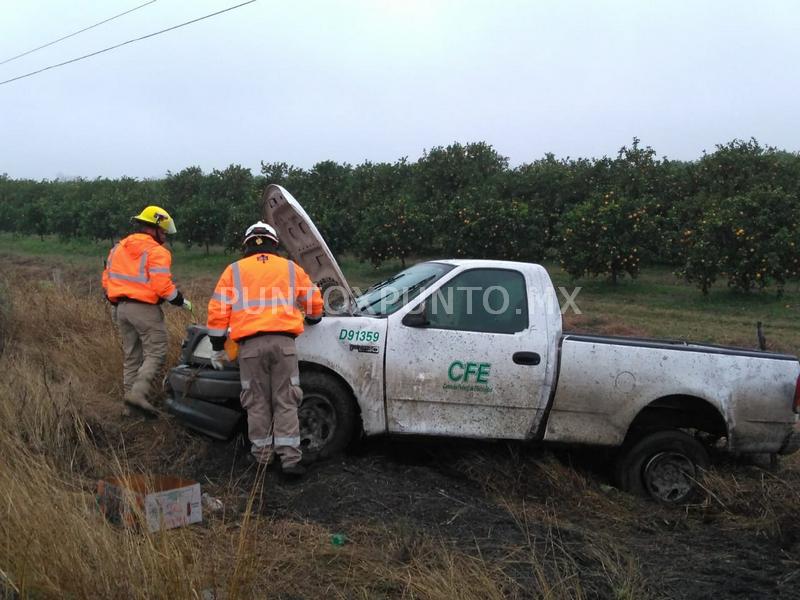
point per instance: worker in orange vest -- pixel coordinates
(257, 299)
(136, 281)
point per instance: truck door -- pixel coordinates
(470, 363)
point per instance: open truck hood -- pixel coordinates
(304, 244)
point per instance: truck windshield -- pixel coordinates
(386, 297)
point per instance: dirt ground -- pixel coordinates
(475, 496)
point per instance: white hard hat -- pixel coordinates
(260, 229)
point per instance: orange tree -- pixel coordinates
(391, 224)
(203, 203)
(24, 205)
(233, 193)
(543, 191)
(607, 234)
(751, 239)
(390, 229)
(109, 204)
(325, 193)
(453, 184)
(187, 202)
(484, 223)
(67, 203)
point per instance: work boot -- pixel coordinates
(295, 471)
(135, 400)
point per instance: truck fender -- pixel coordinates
(678, 412)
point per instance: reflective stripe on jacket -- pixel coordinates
(139, 268)
(261, 294)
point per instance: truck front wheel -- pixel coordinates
(327, 415)
(665, 465)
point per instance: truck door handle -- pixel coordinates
(526, 358)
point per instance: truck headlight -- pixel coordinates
(202, 351)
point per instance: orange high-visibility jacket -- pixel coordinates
(261, 294)
(139, 268)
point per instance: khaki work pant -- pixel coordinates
(144, 346)
(271, 395)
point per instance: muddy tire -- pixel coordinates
(328, 416)
(665, 466)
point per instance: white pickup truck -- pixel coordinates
(475, 349)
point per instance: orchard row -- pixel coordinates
(732, 215)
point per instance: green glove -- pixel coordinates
(187, 305)
(218, 359)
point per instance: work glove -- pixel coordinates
(187, 305)
(218, 358)
(312, 320)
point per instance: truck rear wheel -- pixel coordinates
(665, 466)
(327, 415)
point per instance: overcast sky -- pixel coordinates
(351, 80)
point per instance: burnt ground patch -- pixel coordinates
(498, 500)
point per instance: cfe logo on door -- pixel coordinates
(464, 372)
(468, 376)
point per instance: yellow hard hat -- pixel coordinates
(155, 215)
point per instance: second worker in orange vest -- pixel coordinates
(258, 299)
(136, 280)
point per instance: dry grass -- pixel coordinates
(756, 498)
(551, 502)
(61, 376)
(758, 502)
(600, 324)
(55, 543)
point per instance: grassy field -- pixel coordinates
(655, 304)
(659, 304)
(188, 263)
(430, 520)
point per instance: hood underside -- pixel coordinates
(305, 245)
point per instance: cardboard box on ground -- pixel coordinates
(161, 501)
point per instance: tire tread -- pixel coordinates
(634, 455)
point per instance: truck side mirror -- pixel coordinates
(418, 317)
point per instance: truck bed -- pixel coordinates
(606, 382)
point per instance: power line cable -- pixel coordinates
(61, 39)
(144, 37)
